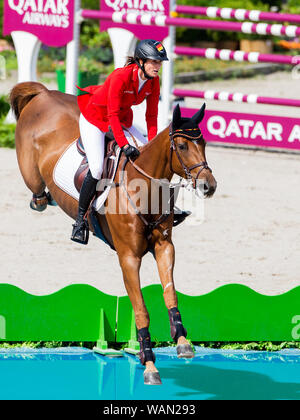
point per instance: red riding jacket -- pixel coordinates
(110, 104)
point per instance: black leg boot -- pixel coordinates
(80, 231)
(180, 217)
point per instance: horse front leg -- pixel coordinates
(165, 258)
(130, 265)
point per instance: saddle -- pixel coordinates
(111, 148)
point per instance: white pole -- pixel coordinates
(123, 43)
(27, 48)
(73, 53)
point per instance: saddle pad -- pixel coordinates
(64, 171)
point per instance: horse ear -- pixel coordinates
(198, 117)
(176, 120)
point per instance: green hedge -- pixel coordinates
(7, 131)
(7, 135)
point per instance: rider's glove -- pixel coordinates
(130, 151)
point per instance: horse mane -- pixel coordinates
(152, 142)
(21, 95)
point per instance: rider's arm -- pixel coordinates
(152, 109)
(114, 101)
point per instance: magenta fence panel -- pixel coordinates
(249, 129)
(52, 23)
(156, 8)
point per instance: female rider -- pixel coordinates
(110, 105)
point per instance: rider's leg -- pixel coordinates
(93, 142)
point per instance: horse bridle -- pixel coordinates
(173, 148)
(187, 170)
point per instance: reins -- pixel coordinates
(187, 170)
(150, 226)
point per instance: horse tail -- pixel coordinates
(21, 95)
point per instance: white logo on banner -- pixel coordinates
(249, 129)
(42, 12)
(296, 329)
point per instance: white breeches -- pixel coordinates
(93, 143)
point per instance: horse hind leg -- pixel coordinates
(40, 202)
(33, 181)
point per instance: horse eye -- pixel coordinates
(182, 146)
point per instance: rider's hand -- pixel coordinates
(130, 151)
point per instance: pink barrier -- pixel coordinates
(236, 97)
(227, 127)
(149, 20)
(249, 129)
(53, 26)
(239, 14)
(212, 53)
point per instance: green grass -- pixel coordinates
(258, 346)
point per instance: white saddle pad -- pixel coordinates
(65, 169)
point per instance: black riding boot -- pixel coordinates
(180, 217)
(80, 231)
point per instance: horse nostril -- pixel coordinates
(209, 189)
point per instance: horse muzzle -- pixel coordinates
(206, 187)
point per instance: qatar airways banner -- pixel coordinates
(249, 129)
(50, 20)
(151, 7)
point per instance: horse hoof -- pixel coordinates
(152, 378)
(36, 207)
(185, 351)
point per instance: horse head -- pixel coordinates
(188, 151)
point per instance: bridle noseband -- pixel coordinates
(173, 148)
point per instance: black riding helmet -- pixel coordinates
(149, 49)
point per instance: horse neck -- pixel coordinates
(155, 156)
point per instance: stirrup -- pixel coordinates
(80, 232)
(180, 217)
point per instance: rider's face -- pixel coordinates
(152, 67)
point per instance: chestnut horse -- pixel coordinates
(47, 123)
